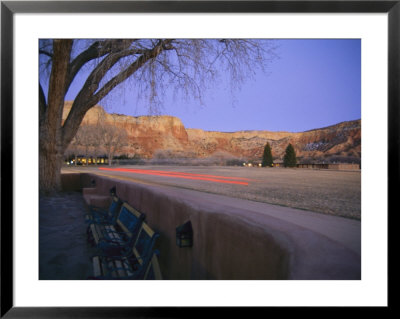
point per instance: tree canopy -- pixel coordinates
(267, 159)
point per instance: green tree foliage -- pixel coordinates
(267, 156)
(289, 160)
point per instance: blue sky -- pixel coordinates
(314, 83)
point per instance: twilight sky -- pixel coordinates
(314, 83)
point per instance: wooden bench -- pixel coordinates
(153, 271)
(92, 198)
(140, 263)
(117, 238)
(99, 215)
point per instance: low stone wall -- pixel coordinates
(228, 243)
(71, 182)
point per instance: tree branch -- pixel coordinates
(96, 50)
(45, 53)
(139, 62)
(87, 98)
(42, 105)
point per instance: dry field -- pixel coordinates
(325, 191)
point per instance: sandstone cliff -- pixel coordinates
(166, 136)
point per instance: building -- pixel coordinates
(278, 163)
(338, 166)
(83, 160)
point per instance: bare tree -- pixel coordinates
(75, 147)
(153, 66)
(96, 133)
(114, 138)
(86, 132)
(81, 142)
(95, 141)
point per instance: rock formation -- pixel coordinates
(166, 136)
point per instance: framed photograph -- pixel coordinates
(370, 28)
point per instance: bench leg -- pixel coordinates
(89, 235)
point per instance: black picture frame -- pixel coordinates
(9, 8)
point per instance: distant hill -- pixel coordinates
(166, 136)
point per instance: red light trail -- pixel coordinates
(204, 177)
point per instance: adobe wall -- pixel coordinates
(71, 182)
(228, 243)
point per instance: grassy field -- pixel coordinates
(325, 191)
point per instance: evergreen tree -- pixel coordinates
(289, 160)
(267, 156)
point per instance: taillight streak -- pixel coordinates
(210, 178)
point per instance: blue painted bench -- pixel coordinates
(140, 263)
(117, 238)
(98, 215)
(153, 271)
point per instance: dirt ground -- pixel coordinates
(325, 191)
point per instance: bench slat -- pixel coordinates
(97, 267)
(118, 265)
(95, 233)
(153, 271)
(128, 271)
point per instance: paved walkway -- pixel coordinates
(64, 253)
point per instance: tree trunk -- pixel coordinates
(51, 147)
(50, 162)
(110, 156)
